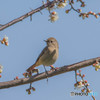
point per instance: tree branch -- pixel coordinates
(49, 4)
(41, 76)
(27, 14)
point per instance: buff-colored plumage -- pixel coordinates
(49, 54)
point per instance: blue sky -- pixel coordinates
(78, 40)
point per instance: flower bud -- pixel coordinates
(6, 43)
(2, 42)
(0, 70)
(67, 11)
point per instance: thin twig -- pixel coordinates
(85, 84)
(76, 75)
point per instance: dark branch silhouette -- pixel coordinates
(51, 73)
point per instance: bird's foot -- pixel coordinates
(52, 67)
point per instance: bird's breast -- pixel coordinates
(51, 56)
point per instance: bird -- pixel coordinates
(48, 56)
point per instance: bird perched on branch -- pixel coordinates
(48, 56)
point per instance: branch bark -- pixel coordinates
(27, 14)
(41, 76)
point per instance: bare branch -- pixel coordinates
(50, 4)
(27, 14)
(41, 76)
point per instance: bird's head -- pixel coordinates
(52, 42)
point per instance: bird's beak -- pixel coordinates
(45, 40)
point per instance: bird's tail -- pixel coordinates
(31, 68)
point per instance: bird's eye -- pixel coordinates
(51, 41)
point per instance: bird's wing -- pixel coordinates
(42, 53)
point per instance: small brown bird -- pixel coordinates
(48, 56)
